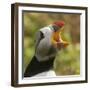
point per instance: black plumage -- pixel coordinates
(36, 67)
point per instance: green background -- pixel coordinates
(67, 61)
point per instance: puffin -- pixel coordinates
(47, 44)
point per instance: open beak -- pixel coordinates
(56, 38)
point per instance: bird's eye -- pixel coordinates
(56, 28)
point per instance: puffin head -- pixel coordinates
(56, 37)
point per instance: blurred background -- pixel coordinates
(67, 61)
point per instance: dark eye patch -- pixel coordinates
(56, 28)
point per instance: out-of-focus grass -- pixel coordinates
(68, 61)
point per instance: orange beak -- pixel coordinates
(57, 40)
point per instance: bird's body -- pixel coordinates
(44, 54)
(48, 42)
